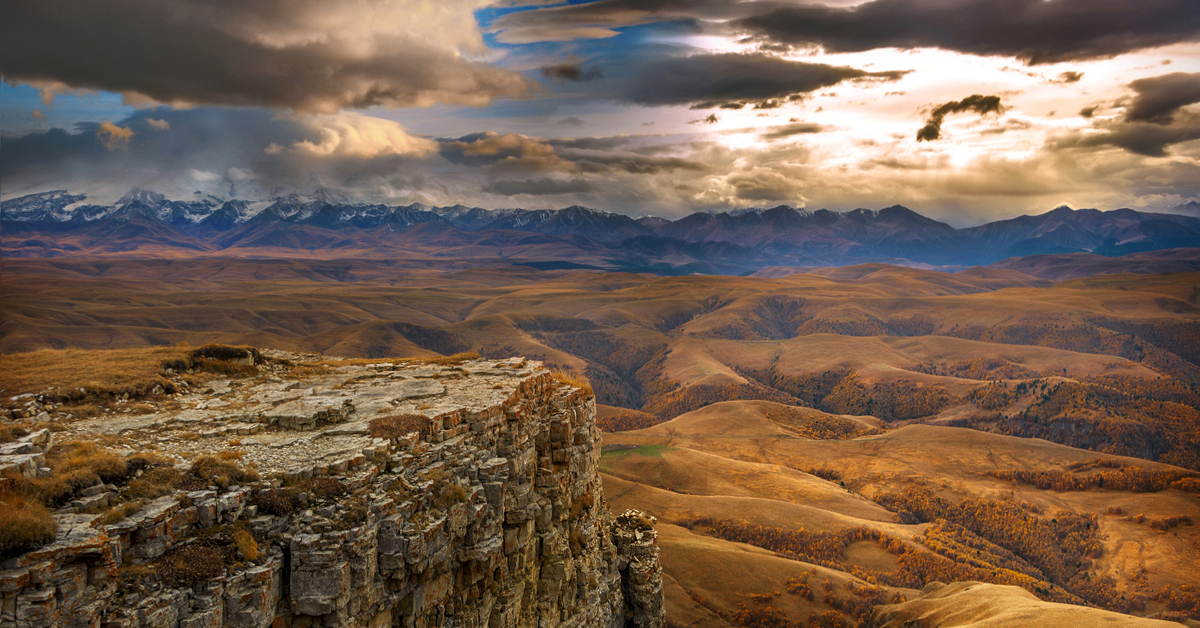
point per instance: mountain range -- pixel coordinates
(59, 223)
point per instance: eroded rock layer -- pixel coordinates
(490, 514)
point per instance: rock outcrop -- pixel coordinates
(490, 515)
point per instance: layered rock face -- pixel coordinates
(493, 517)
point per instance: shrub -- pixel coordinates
(246, 544)
(446, 494)
(154, 483)
(209, 470)
(25, 525)
(191, 565)
(273, 502)
(399, 425)
(323, 487)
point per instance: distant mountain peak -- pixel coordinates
(1190, 208)
(138, 195)
(781, 235)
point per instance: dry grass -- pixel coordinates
(24, 525)
(102, 373)
(573, 379)
(80, 378)
(75, 466)
(246, 544)
(212, 470)
(441, 360)
(191, 565)
(10, 433)
(120, 511)
(154, 483)
(436, 360)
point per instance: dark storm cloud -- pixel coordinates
(307, 55)
(788, 130)
(731, 79)
(593, 143)
(1141, 138)
(201, 138)
(1036, 31)
(538, 187)
(631, 163)
(223, 150)
(978, 103)
(1153, 122)
(1159, 97)
(570, 72)
(1069, 77)
(597, 19)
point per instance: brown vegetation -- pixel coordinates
(1112, 476)
(286, 500)
(1062, 547)
(985, 368)
(918, 567)
(80, 377)
(574, 380)
(843, 392)
(25, 525)
(396, 426)
(191, 565)
(682, 400)
(209, 471)
(1152, 419)
(626, 420)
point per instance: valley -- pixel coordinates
(814, 444)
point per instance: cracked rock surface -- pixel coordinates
(491, 515)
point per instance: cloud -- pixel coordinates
(599, 20)
(508, 149)
(788, 130)
(38, 115)
(305, 55)
(978, 103)
(571, 121)
(204, 176)
(1068, 77)
(1141, 138)
(1154, 120)
(357, 136)
(113, 136)
(1160, 97)
(161, 125)
(570, 72)
(1035, 31)
(538, 187)
(732, 79)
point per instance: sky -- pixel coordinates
(964, 110)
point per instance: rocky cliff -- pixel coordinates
(386, 494)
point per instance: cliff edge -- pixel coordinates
(377, 494)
